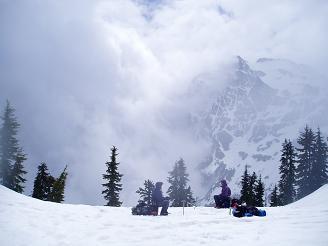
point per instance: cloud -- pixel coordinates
(86, 75)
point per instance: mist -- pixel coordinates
(86, 75)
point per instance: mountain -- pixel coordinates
(27, 221)
(248, 115)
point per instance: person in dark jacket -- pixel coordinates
(159, 200)
(223, 200)
(247, 211)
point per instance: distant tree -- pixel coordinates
(274, 197)
(42, 183)
(252, 189)
(178, 190)
(191, 201)
(146, 192)
(17, 172)
(305, 162)
(287, 171)
(57, 190)
(113, 179)
(259, 193)
(319, 170)
(9, 147)
(245, 188)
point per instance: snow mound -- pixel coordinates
(26, 221)
(317, 199)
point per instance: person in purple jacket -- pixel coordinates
(223, 200)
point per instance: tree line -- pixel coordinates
(303, 169)
(179, 191)
(12, 158)
(252, 189)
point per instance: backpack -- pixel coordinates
(144, 209)
(243, 211)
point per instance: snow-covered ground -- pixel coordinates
(27, 221)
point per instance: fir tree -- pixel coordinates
(287, 173)
(274, 197)
(319, 175)
(42, 183)
(245, 187)
(178, 190)
(191, 201)
(305, 162)
(113, 178)
(57, 190)
(259, 193)
(252, 189)
(8, 145)
(146, 192)
(17, 173)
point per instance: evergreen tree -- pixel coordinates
(42, 183)
(245, 187)
(57, 190)
(274, 197)
(146, 192)
(305, 162)
(113, 178)
(8, 145)
(16, 178)
(259, 193)
(191, 201)
(319, 175)
(252, 189)
(178, 190)
(287, 173)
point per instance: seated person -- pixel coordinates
(159, 200)
(247, 211)
(223, 200)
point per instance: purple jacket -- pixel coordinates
(226, 192)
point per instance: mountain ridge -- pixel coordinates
(251, 116)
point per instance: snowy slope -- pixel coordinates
(27, 221)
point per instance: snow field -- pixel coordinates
(27, 221)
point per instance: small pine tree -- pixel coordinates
(17, 173)
(190, 200)
(274, 197)
(252, 189)
(146, 192)
(57, 190)
(113, 178)
(287, 173)
(8, 145)
(259, 193)
(245, 187)
(305, 162)
(178, 190)
(42, 183)
(318, 174)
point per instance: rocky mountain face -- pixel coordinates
(246, 120)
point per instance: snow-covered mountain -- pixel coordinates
(26, 221)
(246, 119)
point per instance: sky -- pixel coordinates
(86, 75)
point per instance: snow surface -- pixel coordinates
(27, 221)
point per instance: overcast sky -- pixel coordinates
(86, 75)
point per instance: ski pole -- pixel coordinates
(230, 207)
(183, 205)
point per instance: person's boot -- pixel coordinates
(164, 213)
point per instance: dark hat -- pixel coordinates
(158, 184)
(223, 182)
